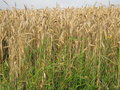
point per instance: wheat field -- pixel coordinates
(60, 49)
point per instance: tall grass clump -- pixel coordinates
(60, 49)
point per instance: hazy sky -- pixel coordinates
(52, 3)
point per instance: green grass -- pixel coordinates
(63, 72)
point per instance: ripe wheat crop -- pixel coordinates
(64, 49)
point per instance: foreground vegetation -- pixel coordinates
(60, 49)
